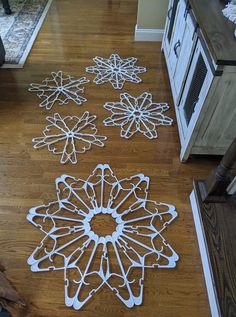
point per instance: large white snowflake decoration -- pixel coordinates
(91, 258)
(137, 115)
(115, 70)
(59, 88)
(69, 136)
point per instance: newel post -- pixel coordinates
(214, 188)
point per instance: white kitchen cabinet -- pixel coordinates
(203, 83)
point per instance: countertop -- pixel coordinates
(218, 31)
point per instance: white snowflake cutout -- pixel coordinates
(59, 88)
(115, 70)
(139, 114)
(69, 136)
(91, 259)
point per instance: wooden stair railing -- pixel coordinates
(214, 188)
(214, 212)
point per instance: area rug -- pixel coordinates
(19, 30)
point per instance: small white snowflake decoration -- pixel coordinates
(115, 70)
(59, 88)
(137, 115)
(74, 240)
(69, 136)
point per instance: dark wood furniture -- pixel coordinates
(8, 11)
(6, 6)
(215, 221)
(7, 294)
(5, 313)
(2, 52)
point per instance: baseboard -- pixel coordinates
(210, 284)
(152, 35)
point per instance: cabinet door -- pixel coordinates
(170, 21)
(184, 56)
(195, 91)
(177, 36)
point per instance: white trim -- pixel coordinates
(154, 35)
(206, 264)
(231, 189)
(31, 41)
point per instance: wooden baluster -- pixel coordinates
(214, 188)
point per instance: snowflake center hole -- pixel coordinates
(137, 113)
(70, 134)
(103, 225)
(116, 69)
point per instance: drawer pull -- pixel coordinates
(186, 12)
(169, 13)
(177, 44)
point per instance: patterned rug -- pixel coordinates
(19, 30)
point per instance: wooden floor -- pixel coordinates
(73, 33)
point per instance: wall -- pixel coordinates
(152, 14)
